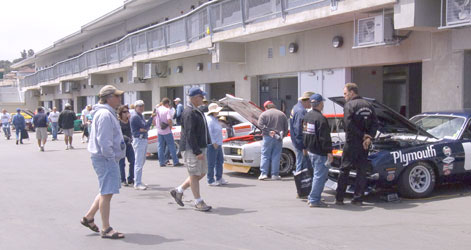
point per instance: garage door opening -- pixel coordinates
(283, 92)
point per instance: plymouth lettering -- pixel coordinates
(405, 158)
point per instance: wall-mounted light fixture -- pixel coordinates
(199, 67)
(337, 41)
(293, 48)
(179, 69)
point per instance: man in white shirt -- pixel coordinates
(86, 111)
(54, 120)
(6, 120)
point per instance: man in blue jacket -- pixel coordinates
(20, 124)
(139, 128)
(296, 129)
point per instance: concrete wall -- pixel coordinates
(370, 81)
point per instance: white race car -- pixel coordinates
(243, 153)
(238, 125)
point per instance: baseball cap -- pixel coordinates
(139, 103)
(109, 90)
(196, 91)
(68, 105)
(306, 95)
(316, 98)
(177, 99)
(18, 110)
(265, 104)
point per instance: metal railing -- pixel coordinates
(211, 17)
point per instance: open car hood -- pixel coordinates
(389, 120)
(246, 109)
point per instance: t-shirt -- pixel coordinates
(85, 112)
(5, 117)
(164, 114)
(54, 116)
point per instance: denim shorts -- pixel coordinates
(109, 178)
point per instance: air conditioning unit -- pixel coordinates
(155, 70)
(458, 12)
(75, 86)
(375, 31)
(66, 87)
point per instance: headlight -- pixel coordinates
(239, 151)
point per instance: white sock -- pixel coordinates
(180, 189)
(198, 200)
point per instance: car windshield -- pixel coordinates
(448, 127)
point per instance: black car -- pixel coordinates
(414, 155)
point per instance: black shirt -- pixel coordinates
(126, 130)
(316, 133)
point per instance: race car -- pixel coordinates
(413, 156)
(238, 125)
(242, 153)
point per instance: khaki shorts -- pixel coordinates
(41, 133)
(195, 166)
(68, 132)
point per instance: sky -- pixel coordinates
(37, 24)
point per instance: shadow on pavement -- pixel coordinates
(227, 211)
(235, 185)
(147, 239)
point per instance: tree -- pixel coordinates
(30, 52)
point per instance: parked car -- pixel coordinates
(413, 156)
(239, 126)
(242, 153)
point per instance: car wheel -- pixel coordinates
(287, 162)
(417, 181)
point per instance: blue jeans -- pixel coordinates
(215, 161)
(54, 128)
(271, 154)
(18, 134)
(6, 130)
(140, 150)
(302, 161)
(166, 141)
(319, 178)
(122, 164)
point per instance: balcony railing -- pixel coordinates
(209, 18)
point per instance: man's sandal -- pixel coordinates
(116, 235)
(86, 222)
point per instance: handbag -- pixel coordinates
(24, 134)
(163, 125)
(303, 181)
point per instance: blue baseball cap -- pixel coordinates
(18, 110)
(316, 98)
(196, 91)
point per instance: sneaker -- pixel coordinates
(214, 184)
(71, 147)
(201, 206)
(318, 204)
(42, 149)
(131, 183)
(140, 187)
(21, 142)
(124, 183)
(177, 196)
(276, 177)
(67, 147)
(16, 142)
(263, 177)
(223, 182)
(178, 165)
(339, 203)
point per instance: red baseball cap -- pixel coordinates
(266, 103)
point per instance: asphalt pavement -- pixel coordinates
(45, 194)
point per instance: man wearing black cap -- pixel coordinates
(361, 125)
(316, 138)
(194, 140)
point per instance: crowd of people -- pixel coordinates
(118, 132)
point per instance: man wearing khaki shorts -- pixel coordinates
(40, 125)
(193, 143)
(66, 122)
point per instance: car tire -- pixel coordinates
(417, 181)
(287, 162)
